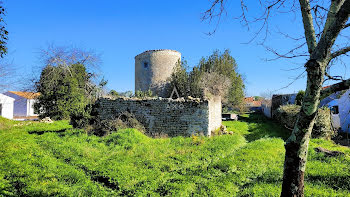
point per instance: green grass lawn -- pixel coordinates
(39, 159)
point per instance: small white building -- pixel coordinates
(339, 103)
(23, 104)
(6, 106)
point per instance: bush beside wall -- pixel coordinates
(287, 115)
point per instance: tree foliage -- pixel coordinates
(3, 33)
(217, 75)
(6, 71)
(113, 94)
(68, 84)
(143, 94)
(299, 97)
(62, 91)
(225, 64)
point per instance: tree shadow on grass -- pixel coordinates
(260, 127)
(333, 181)
(47, 131)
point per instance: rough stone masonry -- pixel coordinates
(172, 117)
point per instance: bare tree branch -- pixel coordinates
(290, 54)
(210, 14)
(334, 8)
(341, 51)
(335, 88)
(290, 83)
(346, 26)
(328, 38)
(308, 24)
(336, 78)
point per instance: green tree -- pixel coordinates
(63, 91)
(225, 64)
(143, 94)
(113, 93)
(180, 80)
(216, 67)
(195, 77)
(3, 33)
(299, 97)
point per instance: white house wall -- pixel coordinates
(344, 111)
(7, 106)
(20, 104)
(30, 107)
(7, 110)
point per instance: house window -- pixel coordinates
(335, 109)
(145, 64)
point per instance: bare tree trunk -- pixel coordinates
(321, 53)
(297, 144)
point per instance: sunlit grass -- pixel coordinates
(40, 159)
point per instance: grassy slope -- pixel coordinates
(53, 159)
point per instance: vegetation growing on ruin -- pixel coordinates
(216, 74)
(40, 159)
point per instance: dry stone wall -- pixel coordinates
(172, 117)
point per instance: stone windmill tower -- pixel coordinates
(153, 68)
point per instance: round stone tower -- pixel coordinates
(153, 68)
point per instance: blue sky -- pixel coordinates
(119, 30)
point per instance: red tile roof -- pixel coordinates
(27, 95)
(256, 103)
(249, 99)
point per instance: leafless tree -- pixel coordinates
(65, 56)
(7, 74)
(324, 24)
(214, 83)
(267, 94)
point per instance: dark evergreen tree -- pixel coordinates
(63, 91)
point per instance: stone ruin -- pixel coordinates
(172, 117)
(166, 116)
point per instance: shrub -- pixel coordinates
(81, 119)
(287, 116)
(299, 98)
(144, 94)
(121, 121)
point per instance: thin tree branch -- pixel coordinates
(290, 83)
(322, 50)
(336, 78)
(341, 51)
(346, 26)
